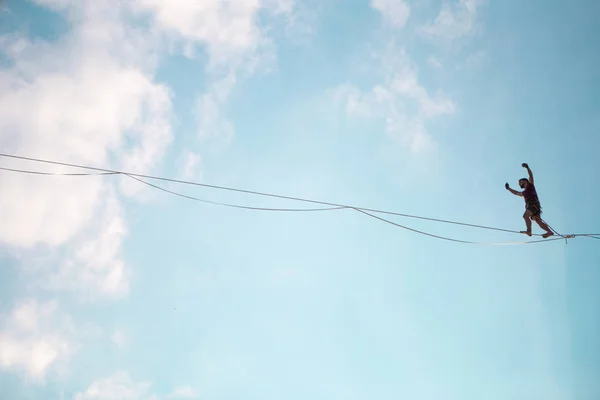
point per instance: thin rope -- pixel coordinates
(451, 239)
(231, 205)
(58, 173)
(565, 237)
(169, 191)
(591, 236)
(337, 208)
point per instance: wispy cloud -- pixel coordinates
(117, 386)
(454, 21)
(400, 99)
(236, 43)
(119, 338)
(299, 18)
(228, 31)
(34, 337)
(475, 60)
(394, 12)
(121, 386)
(211, 118)
(94, 268)
(183, 392)
(190, 166)
(434, 62)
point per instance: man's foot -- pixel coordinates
(547, 234)
(528, 233)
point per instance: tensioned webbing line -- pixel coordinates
(169, 191)
(370, 215)
(271, 209)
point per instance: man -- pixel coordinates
(533, 209)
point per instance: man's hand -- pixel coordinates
(524, 165)
(512, 190)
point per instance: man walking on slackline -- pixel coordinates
(533, 208)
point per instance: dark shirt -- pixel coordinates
(530, 193)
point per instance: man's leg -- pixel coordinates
(527, 217)
(544, 226)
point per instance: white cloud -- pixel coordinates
(183, 392)
(212, 123)
(119, 338)
(453, 21)
(278, 7)
(191, 166)
(120, 386)
(394, 12)
(234, 39)
(227, 29)
(35, 337)
(405, 83)
(300, 18)
(401, 100)
(93, 267)
(230, 31)
(88, 98)
(353, 100)
(475, 60)
(435, 63)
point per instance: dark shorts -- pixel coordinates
(534, 207)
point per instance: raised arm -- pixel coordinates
(524, 165)
(512, 190)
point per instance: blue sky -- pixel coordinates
(111, 290)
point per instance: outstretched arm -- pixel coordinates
(524, 165)
(513, 191)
